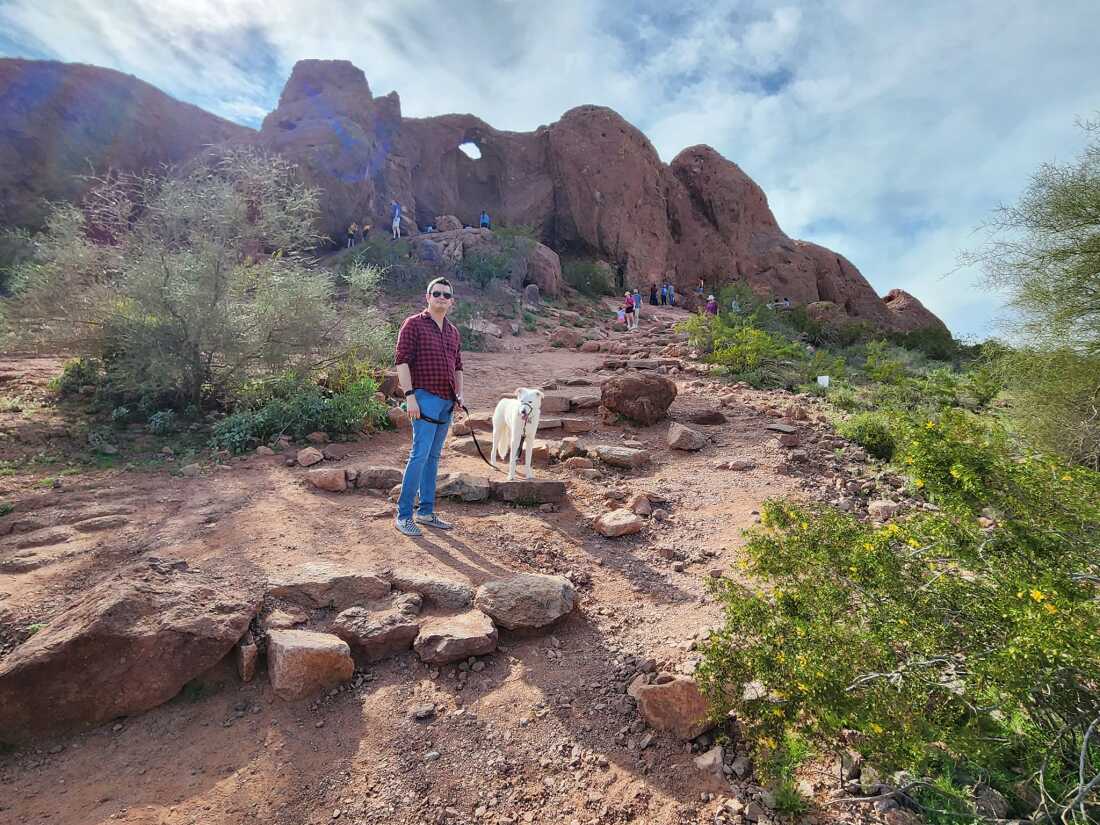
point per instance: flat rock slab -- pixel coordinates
(453, 638)
(555, 402)
(373, 477)
(577, 425)
(538, 491)
(625, 457)
(619, 523)
(549, 424)
(125, 646)
(676, 706)
(376, 634)
(436, 590)
(93, 525)
(526, 601)
(706, 417)
(464, 486)
(782, 428)
(301, 663)
(323, 584)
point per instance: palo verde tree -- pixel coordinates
(1044, 253)
(190, 283)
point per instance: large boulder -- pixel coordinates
(910, 315)
(680, 437)
(526, 601)
(641, 397)
(436, 590)
(125, 646)
(675, 705)
(375, 634)
(301, 663)
(327, 584)
(453, 638)
(628, 458)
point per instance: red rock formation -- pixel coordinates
(589, 184)
(61, 121)
(909, 313)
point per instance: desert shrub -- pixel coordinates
(587, 277)
(823, 362)
(163, 422)
(193, 282)
(934, 342)
(844, 396)
(299, 410)
(874, 431)
(77, 373)
(949, 649)
(482, 267)
(1055, 400)
(472, 340)
(880, 366)
(16, 248)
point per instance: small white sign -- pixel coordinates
(823, 380)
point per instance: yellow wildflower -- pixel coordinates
(875, 728)
(929, 425)
(1049, 608)
(912, 542)
(868, 546)
(1067, 477)
(919, 483)
(1037, 595)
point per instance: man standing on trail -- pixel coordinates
(429, 370)
(485, 222)
(396, 223)
(353, 232)
(637, 306)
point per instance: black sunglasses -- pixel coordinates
(437, 294)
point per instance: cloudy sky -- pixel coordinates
(887, 131)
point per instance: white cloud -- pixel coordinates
(886, 131)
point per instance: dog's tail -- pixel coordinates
(504, 444)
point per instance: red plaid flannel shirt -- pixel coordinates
(432, 354)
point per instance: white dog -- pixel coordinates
(515, 419)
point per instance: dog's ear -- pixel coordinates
(519, 392)
(540, 394)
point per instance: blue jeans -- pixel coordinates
(423, 465)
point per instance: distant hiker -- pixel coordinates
(712, 305)
(671, 294)
(353, 233)
(637, 306)
(628, 309)
(786, 303)
(653, 294)
(735, 306)
(664, 294)
(699, 290)
(429, 370)
(395, 225)
(485, 220)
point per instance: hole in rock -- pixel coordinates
(470, 150)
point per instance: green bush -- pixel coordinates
(871, 430)
(588, 277)
(299, 411)
(163, 422)
(77, 373)
(880, 366)
(482, 267)
(953, 651)
(193, 282)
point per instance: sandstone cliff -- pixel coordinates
(62, 121)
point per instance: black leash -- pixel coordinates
(473, 435)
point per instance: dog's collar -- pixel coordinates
(525, 412)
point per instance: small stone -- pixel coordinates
(619, 523)
(431, 756)
(422, 712)
(711, 761)
(317, 438)
(264, 450)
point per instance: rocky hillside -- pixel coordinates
(60, 121)
(590, 183)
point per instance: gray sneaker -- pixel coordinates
(407, 527)
(432, 520)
